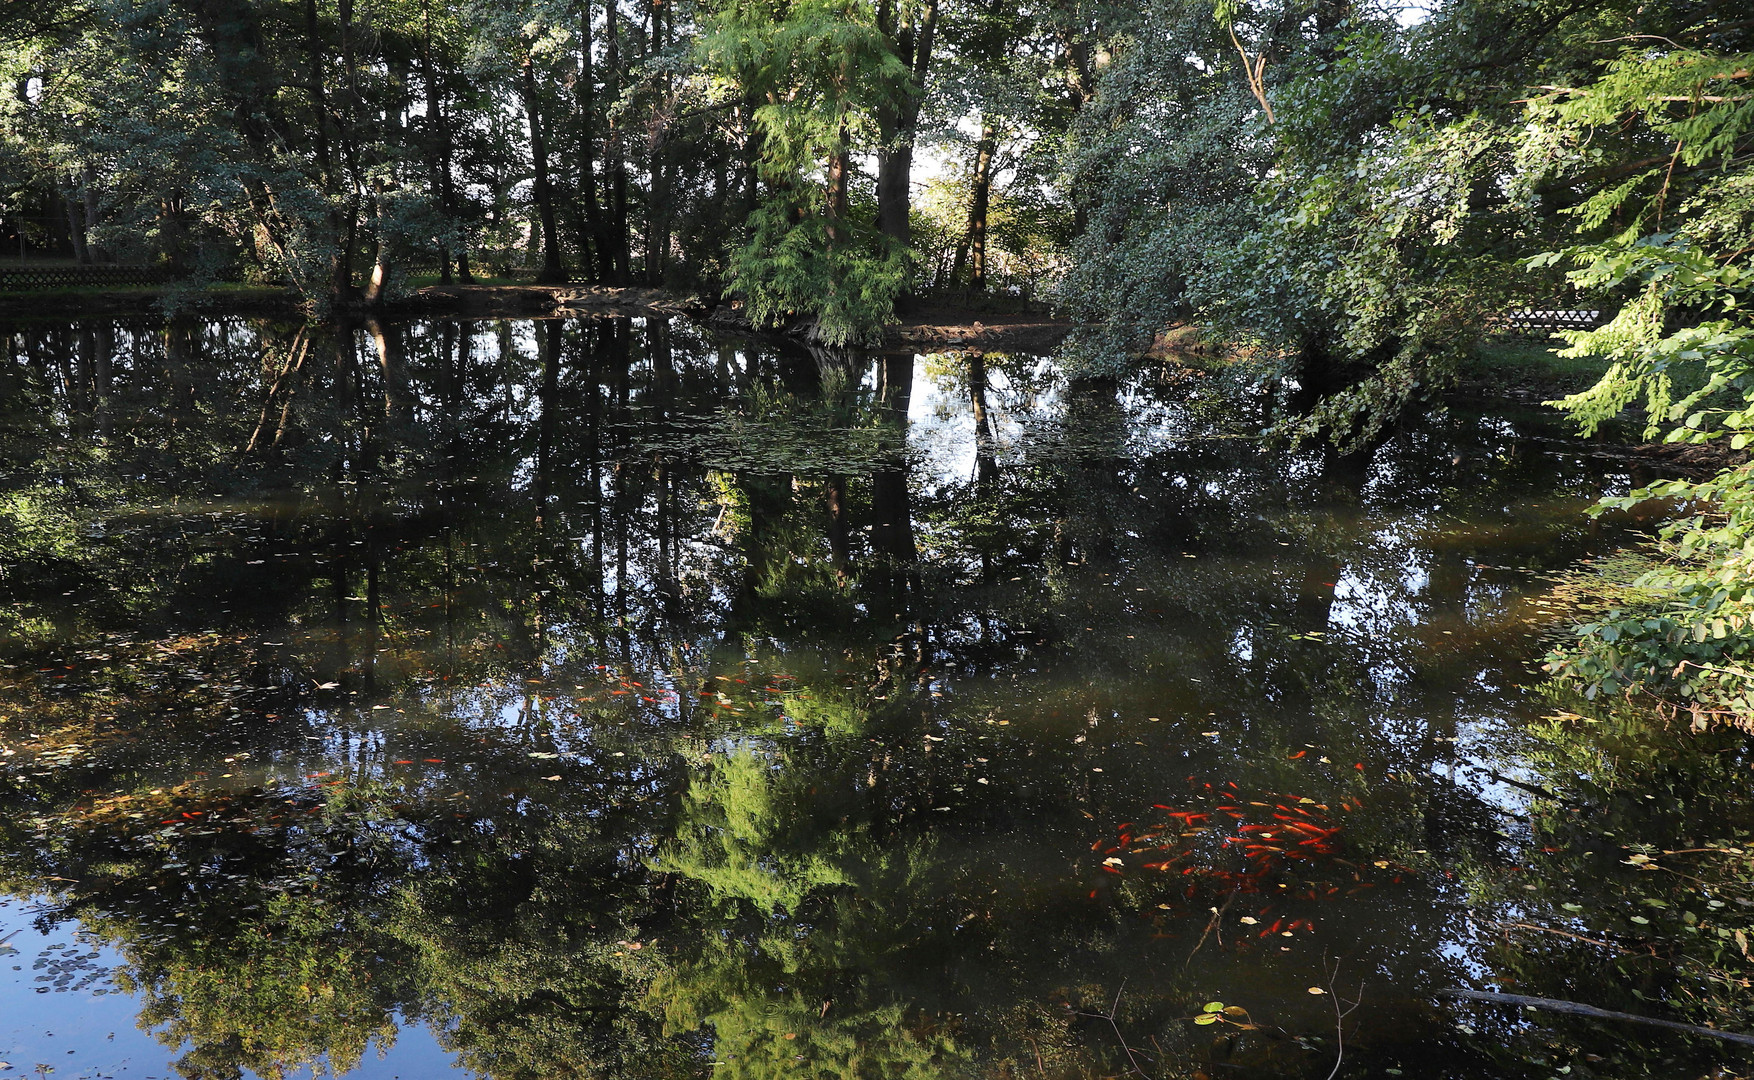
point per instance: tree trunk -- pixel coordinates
(657, 232)
(553, 270)
(977, 209)
(751, 159)
(897, 123)
(88, 189)
(343, 223)
(838, 167)
(75, 212)
(591, 239)
(1081, 81)
(378, 286)
(438, 133)
(617, 151)
(974, 237)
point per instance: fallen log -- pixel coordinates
(1573, 1008)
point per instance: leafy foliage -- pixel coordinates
(821, 69)
(1670, 240)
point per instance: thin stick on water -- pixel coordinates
(1340, 1016)
(1113, 1011)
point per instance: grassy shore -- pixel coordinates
(1521, 364)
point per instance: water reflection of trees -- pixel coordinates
(621, 701)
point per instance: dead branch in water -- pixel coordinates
(1573, 1008)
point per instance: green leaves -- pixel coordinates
(1681, 347)
(822, 70)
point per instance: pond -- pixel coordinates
(601, 697)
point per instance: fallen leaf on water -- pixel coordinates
(1317, 990)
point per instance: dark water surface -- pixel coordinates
(597, 698)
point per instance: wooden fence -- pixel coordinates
(1540, 322)
(35, 278)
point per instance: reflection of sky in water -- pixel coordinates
(62, 1010)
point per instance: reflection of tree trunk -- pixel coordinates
(393, 362)
(663, 382)
(452, 396)
(282, 385)
(837, 520)
(618, 512)
(595, 337)
(986, 465)
(101, 377)
(1093, 419)
(178, 345)
(374, 607)
(892, 533)
(548, 345)
(1314, 605)
(81, 383)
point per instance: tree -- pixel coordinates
(822, 71)
(1665, 215)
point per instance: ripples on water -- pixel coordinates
(601, 698)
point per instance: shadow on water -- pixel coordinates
(602, 698)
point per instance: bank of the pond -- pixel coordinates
(928, 328)
(502, 300)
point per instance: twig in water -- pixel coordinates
(1211, 924)
(1340, 1016)
(1122, 1039)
